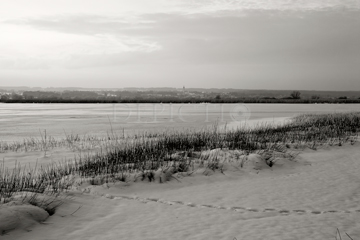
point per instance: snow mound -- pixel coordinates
(15, 215)
(255, 161)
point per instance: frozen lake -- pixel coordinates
(19, 121)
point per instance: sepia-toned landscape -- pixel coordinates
(179, 119)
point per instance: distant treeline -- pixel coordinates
(285, 101)
(162, 97)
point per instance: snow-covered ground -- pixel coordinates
(306, 198)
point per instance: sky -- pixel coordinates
(242, 44)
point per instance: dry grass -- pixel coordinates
(120, 157)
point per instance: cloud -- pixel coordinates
(258, 38)
(229, 37)
(80, 23)
(251, 46)
(52, 41)
(206, 6)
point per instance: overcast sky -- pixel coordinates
(247, 44)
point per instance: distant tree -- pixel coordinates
(295, 95)
(343, 97)
(315, 97)
(83, 95)
(28, 95)
(4, 97)
(218, 97)
(16, 96)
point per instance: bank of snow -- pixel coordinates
(308, 197)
